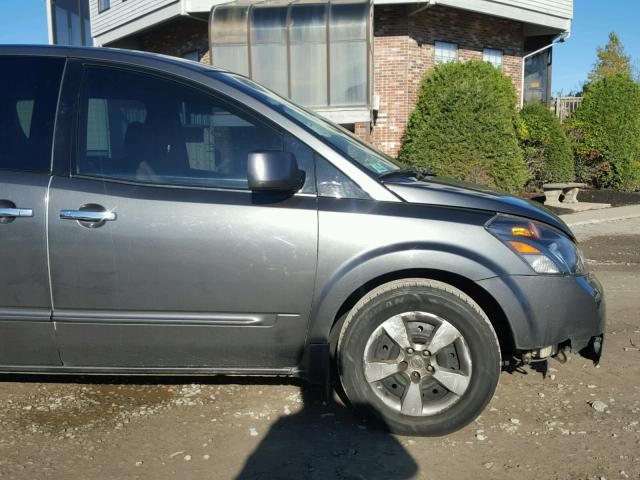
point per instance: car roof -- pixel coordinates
(105, 54)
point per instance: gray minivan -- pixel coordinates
(161, 216)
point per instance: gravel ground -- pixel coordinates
(577, 422)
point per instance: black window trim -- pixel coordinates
(84, 64)
(55, 118)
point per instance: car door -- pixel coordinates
(29, 87)
(160, 255)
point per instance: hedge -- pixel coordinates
(605, 131)
(464, 126)
(547, 150)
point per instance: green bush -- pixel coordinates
(605, 131)
(547, 150)
(464, 126)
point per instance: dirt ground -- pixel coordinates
(222, 428)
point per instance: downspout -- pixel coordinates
(428, 3)
(563, 37)
(50, 31)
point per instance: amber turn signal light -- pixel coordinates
(524, 248)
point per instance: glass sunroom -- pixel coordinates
(316, 53)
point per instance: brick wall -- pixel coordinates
(363, 130)
(176, 38)
(404, 51)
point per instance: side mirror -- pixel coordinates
(273, 171)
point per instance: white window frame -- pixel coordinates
(493, 56)
(446, 52)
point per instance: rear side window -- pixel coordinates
(142, 128)
(28, 97)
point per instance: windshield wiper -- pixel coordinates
(409, 172)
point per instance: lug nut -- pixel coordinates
(403, 366)
(415, 376)
(410, 351)
(430, 369)
(426, 353)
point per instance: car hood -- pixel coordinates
(453, 193)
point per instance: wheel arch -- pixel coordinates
(486, 302)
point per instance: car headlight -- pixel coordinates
(544, 248)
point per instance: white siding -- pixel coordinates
(553, 14)
(557, 8)
(126, 17)
(122, 12)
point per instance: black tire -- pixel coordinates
(439, 299)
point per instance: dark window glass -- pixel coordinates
(29, 87)
(536, 76)
(142, 128)
(333, 183)
(103, 5)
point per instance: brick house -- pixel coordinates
(357, 63)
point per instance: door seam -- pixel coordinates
(46, 226)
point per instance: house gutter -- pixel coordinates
(563, 37)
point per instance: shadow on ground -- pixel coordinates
(318, 440)
(327, 441)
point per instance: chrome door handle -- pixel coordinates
(88, 216)
(16, 212)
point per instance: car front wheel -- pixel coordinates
(420, 355)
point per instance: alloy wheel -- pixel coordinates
(417, 363)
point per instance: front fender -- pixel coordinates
(333, 292)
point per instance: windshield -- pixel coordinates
(340, 139)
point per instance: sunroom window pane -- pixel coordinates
(269, 47)
(313, 51)
(62, 26)
(348, 53)
(229, 39)
(74, 22)
(309, 54)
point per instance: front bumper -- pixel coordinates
(551, 310)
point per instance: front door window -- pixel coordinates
(146, 129)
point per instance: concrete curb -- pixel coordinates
(600, 216)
